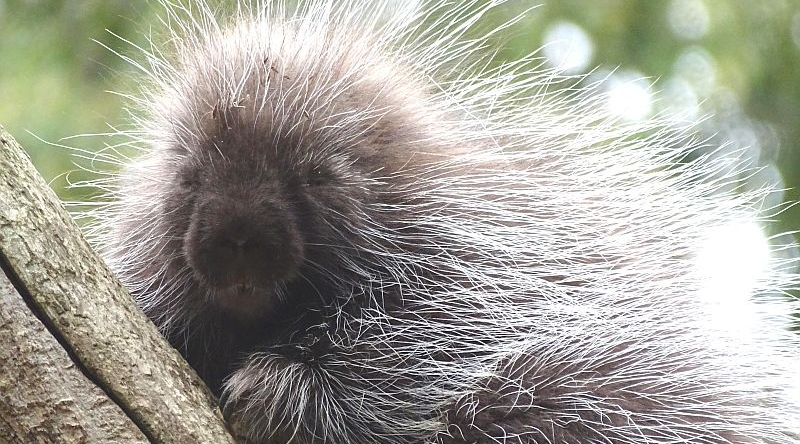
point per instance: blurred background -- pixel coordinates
(736, 61)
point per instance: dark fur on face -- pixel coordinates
(262, 225)
(255, 215)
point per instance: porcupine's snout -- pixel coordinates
(242, 247)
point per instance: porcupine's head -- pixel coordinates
(266, 147)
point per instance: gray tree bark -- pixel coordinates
(79, 362)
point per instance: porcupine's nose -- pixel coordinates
(241, 243)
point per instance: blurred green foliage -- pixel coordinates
(54, 75)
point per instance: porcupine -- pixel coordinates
(356, 233)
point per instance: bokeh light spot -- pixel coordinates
(796, 29)
(629, 96)
(567, 47)
(681, 102)
(688, 19)
(732, 261)
(699, 68)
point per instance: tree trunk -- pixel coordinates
(79, 363)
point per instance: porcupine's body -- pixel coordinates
(351, 242)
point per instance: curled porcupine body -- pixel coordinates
(355, 234)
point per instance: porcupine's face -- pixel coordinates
(264, 219)
(274, 161)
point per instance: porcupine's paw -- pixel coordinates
(273, 399)
(286, 394)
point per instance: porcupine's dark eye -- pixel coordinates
(319, 176)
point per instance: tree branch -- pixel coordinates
(114, 364)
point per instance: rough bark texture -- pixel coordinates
(45, 397)
(89, 314)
